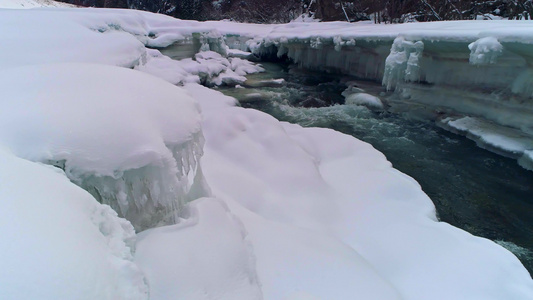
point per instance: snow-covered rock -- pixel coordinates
(131, 139)
(364, 99)
(402, 64)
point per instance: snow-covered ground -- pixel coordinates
(19, 4)
(262, 209)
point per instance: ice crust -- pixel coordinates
(294, 213)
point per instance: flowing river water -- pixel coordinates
(483, 193)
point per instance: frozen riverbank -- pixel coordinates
(468, 68)
(483, 193)
(263, 209)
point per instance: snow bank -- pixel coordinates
(106, 36)
(326, 220)
(132, 140)
(58, 242)
(32, 4)
(206, 256)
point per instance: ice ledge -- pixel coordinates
(134, 141)
(502, 140)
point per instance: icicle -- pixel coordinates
(402, 64)
(152, 195)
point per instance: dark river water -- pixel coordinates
(483, 193)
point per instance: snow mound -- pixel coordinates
(365, 100)
(214, 69)
(485, 51)
(356, 96)
(206, 256)
(208, 67)
(105, 36)
(166, 68)
(130, 139)
(58, 242)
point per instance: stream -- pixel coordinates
(483, 193)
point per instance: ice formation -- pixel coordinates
(402, 64)
(502, 140)
(485, 51)
(130, 139)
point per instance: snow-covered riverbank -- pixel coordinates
(264, 210)
(467, 68)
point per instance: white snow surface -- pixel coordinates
(326, 220)
(57, 242)
(131, 139)
(458, 31)
(19, 4)
(295, 213)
